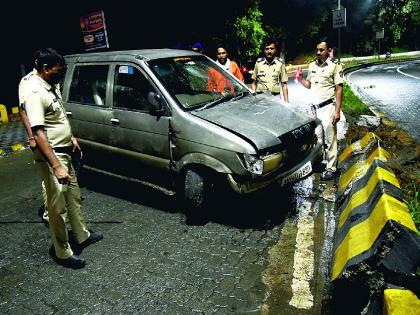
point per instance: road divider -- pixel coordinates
(376, 245)
(3, 114)
(400, 302)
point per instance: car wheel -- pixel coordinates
(195, 189)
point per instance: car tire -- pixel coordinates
(195, 189)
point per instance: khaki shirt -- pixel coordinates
(323, 79)
(44, 107)
(23, 91)
(269, 75)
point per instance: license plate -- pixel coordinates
(306, 169)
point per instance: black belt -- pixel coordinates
(66, 150)
(324, 103)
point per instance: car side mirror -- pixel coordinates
(157, 108)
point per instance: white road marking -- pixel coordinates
(303, 265)
(406, 74)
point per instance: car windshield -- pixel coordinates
(196, 82)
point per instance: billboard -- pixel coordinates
(93, 30)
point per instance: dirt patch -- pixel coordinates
(403, 148)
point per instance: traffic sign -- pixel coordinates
(380, 34)
(339, 18)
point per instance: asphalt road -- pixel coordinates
(267, 253)
(393, 89)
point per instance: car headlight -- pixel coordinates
(274, 161)
(253, 164)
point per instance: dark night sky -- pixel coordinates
(150, 24)
(28, 26)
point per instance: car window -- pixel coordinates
(61, 83)
(88, 85)
(131, 89)
(195, 81)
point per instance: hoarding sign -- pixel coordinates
(93, 30)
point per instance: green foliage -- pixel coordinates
(250, 32)
(413, 205)
(398, 15)
(352, 103)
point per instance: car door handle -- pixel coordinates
(115, 121)
(69, 113)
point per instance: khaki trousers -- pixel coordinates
(62, 200)
(327, 135)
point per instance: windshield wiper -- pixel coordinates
(212, 103)
(239, 95)
(222, 99)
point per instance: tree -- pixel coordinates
(395, 15)
(250, 32)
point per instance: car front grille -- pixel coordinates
(298, 142)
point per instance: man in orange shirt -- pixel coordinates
(217, 82)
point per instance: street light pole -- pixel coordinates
(339, 35)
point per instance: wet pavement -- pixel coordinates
(266, 253)
(12, 137)
(394, 90)
(152, 261)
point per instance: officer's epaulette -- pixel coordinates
(278, 59)
(260, 59)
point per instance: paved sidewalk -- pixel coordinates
(12, 137)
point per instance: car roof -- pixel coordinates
(146, 54)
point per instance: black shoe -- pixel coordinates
(327, 175)
(93, 238)
(73, 262)
(41, 211)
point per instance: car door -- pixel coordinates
(86, 103)
(139, 134)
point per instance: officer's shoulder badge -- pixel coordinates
(260, 59)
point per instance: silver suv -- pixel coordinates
(174, 118)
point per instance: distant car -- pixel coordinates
(154, 115)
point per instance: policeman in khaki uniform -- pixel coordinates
(270, 72)
(325, 79)
(54, 146)
(31, 139)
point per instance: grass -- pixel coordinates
(352, 103)
(375, 60)
(413, 205)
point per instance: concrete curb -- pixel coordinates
(13, 138)
(376, 245)
(399, 302)
(13, 148)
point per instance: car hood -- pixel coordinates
(261, 119)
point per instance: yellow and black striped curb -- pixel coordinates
(375, 235)
(357, 166)
(400, 302)
(4, 116)
(13, 148)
